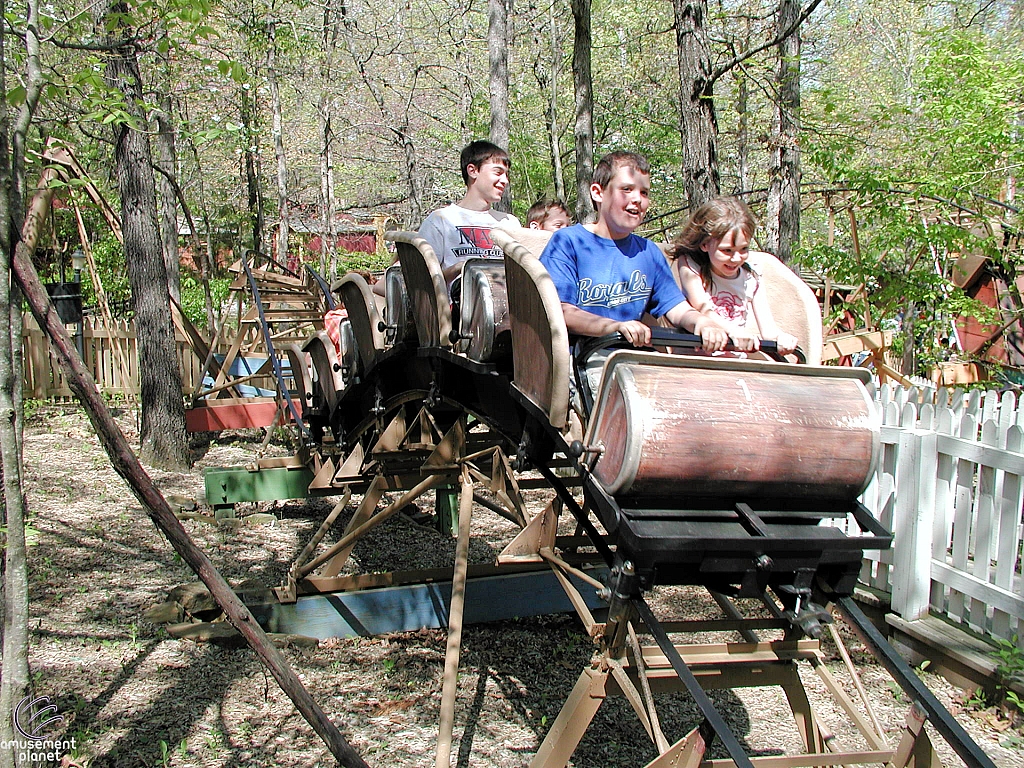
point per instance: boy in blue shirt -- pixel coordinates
(607, 277)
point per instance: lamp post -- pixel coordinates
(78, 262)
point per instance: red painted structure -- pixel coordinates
(248, 413)
(1001, 342)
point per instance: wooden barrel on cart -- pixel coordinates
(677, 428)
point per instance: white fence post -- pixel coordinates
(913, 522)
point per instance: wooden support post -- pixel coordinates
(573, 719)
(127, 464)
(913, 522)
(325, 526)
(371, 496)
(907, 748)
(101, 299)
(449, 687)
(350, 537)
(688, 752)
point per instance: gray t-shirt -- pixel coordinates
(457, 233)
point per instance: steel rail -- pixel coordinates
(947, 726)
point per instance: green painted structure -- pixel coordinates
(226, 486)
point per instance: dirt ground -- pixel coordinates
(131, 695)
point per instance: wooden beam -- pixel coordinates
(842, 344)
(230, 485)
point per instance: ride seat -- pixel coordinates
(363, 317)
(329, 378)
(794, 305)
(540, 342)
(299, 365)
(534, 240)
(425, 284)
(399, 326)
(484, 329)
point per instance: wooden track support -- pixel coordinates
(727, 665)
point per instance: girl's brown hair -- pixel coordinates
(715, 219)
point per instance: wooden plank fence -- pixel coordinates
(44, 381)
(950, 484)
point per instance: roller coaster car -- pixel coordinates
(736, 474)
(728, 473)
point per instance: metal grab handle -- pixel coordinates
(668, 337)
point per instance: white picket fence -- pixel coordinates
(950, 485)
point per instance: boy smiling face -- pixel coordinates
(622, 203)
(487, 182)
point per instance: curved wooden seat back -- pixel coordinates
(329, 379)
(363, 315)
(794, 305)
(426, 288)
(540, 343)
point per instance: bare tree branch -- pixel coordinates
(811, 6)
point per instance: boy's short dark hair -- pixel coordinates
(540, 210)
(479, 152)
(610, 163)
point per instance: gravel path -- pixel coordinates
(131, 695)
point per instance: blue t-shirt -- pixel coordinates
(617, 279)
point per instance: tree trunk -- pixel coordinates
(205, 261)
(552, 113)
(464, 64)
(742, 132)
(584, 86)
(783, 216)
(328, 249)
(167, 161)
(398, 128)
(698, 125)
(163, 439)
(14, 682)
(277, 131)
(497, 54)
(252, 172)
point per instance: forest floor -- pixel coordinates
(132, 695)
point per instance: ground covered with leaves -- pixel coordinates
(130, 694)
